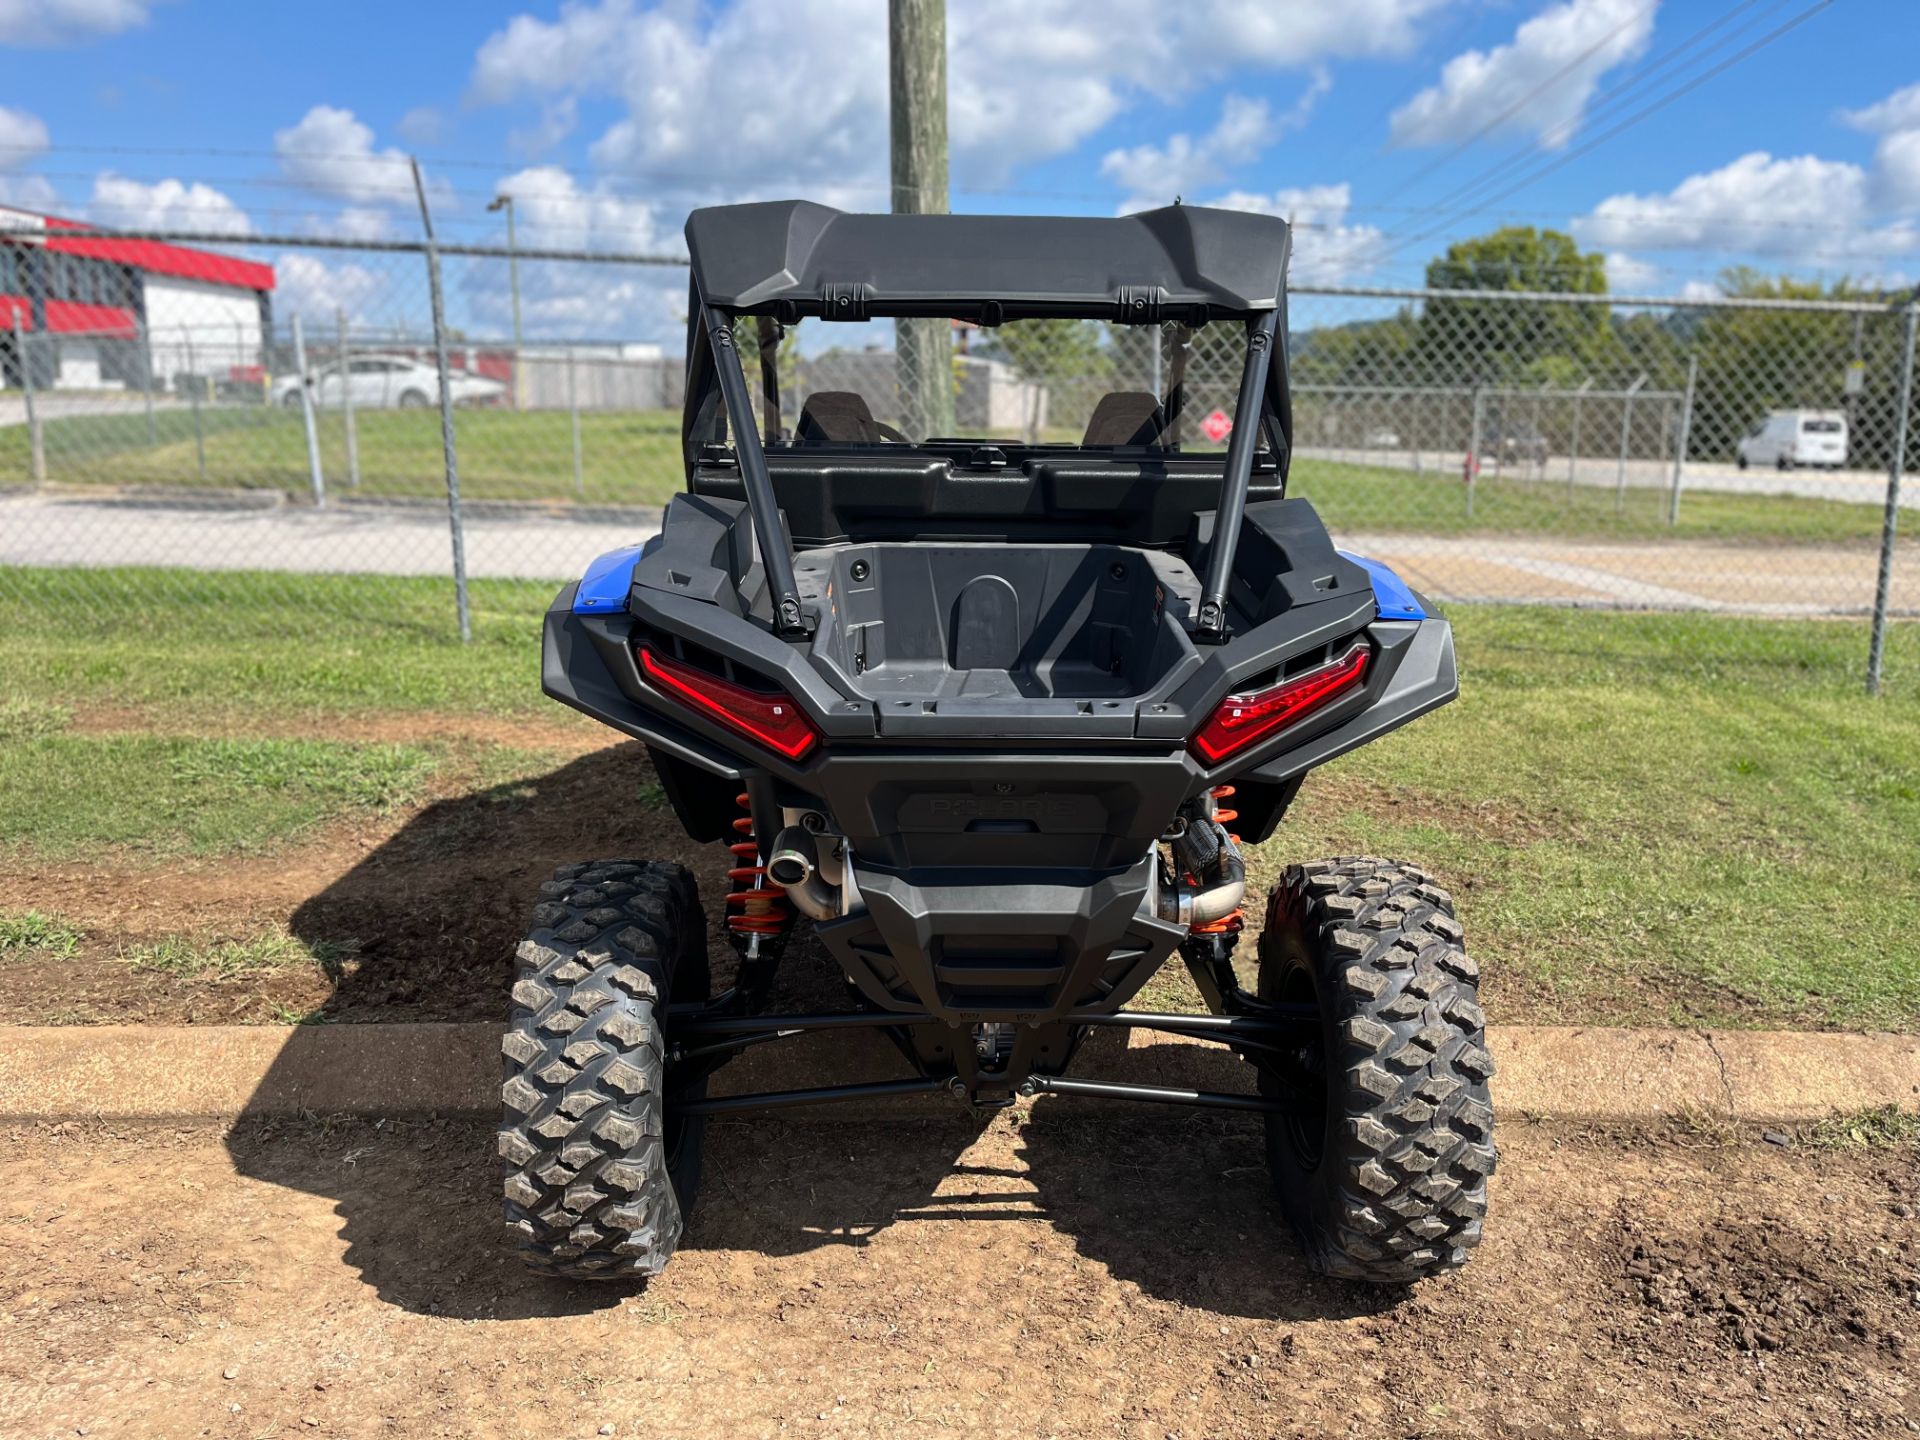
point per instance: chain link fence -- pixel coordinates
(176, 409)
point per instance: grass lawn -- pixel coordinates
(633, 458)
(64, 796)
(1644, 818)
(626, 457)
(1366, 497)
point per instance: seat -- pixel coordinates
(1127, 417)
(837, 417)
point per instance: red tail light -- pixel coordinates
(1242, 720)
(767, 718)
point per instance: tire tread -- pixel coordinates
(1401, 1190)
(583, 1153)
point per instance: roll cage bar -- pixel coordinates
(783, 294)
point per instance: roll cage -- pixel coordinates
(783, 261)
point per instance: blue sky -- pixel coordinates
(1368, 121)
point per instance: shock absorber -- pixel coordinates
(755, 906)
(1221, 815)
(1235, 919)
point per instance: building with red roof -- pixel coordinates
(104, 311)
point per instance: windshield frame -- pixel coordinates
(718, 403)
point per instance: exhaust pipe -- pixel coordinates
(1206, 849)
(794, 865)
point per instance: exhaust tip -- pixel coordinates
(788, 867)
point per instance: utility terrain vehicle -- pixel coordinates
(997, 717)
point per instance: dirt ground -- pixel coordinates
(429, 903)
(1057, 1275)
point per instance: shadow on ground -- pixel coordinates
(436, 911)
(1176, 1203)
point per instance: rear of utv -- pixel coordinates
(997, 716)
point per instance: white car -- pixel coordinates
(1786, 438)
(382, 382)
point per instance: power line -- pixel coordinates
(1605, 104)
(1427, 172)
(1660, 103)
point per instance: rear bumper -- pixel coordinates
(973, 946)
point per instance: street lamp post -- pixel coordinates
(505, 202)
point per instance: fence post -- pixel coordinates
(573, 408)
(1473, 450)
(448, 453)
(315, 476)
(146, 379)
(1896, 468)
(1680, 441)
(1573, 447)
(1626, 442)
(193, 391)
(36, 440)
(346, 400)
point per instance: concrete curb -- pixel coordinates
(132, 1072)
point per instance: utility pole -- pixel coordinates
(917, 51)
(505, 202)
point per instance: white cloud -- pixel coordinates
(1899, 111)
(62, 22)
(1804, 209)
(1520, 87)
(332, 153)
(354, 222)
(552, 210)
(422, 125)
(1326, 249)
(798, 88)
(164, 205)
(1897, 170)
(22, 137)
(556, 122)
(1896, 120)
(315, 289)
(30, 192)
(1628, 276)
(1155, 174)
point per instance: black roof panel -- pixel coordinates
(775, 253)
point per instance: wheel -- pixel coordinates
(600, 1173)
(1381, 1158)
(290, 400)
(1740, 460)
(413, 400)
(1784, 462)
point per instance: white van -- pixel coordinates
(1787, 438)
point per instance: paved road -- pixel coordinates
(13, 405)
(522, 542)
(1861, 487)
(513, 542)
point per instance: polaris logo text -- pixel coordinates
(974, 807)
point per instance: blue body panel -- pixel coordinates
(603, 589)
(1391, 595)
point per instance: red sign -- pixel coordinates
(1217, 426)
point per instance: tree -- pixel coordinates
(1502, 342)
(1064, 362)
(1753, 361)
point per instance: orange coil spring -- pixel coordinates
(1221, 814)
(1235, 920)
(762, 908)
